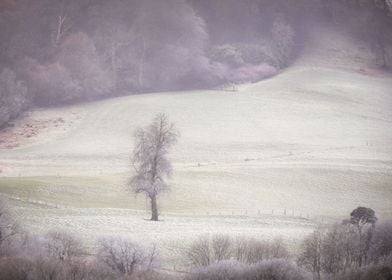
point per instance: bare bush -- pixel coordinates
(207, 250)
(221, 247)
(223, 270)
(281, 269)
(62, 245)
(126, 257)
(250, 250)
(199, 253)
(264, 270)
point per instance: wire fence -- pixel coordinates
(212, 213)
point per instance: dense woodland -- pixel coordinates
(55, 52)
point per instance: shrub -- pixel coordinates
(62, 245)
(126, 257)
(223, 270)
(206, 251)
(251, 251)
(279, 269)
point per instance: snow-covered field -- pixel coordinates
(316, 140)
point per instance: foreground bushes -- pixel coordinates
(206, 251)
(379, 271)
(59, 255)
(279, 269)
(343, 251)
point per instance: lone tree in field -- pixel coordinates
(152, 167)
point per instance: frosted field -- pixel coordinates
(314, 140)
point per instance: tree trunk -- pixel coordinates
(154, 208)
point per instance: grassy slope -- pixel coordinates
(316, 139)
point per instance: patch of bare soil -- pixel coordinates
(32, 127)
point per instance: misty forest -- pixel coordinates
(196, 139)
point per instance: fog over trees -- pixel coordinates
(58, 52)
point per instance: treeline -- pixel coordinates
(360, 248)
(62, 51)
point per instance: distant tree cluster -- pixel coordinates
(357, 245)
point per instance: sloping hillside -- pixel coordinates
(312, 137)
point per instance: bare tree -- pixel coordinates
(150, 161)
